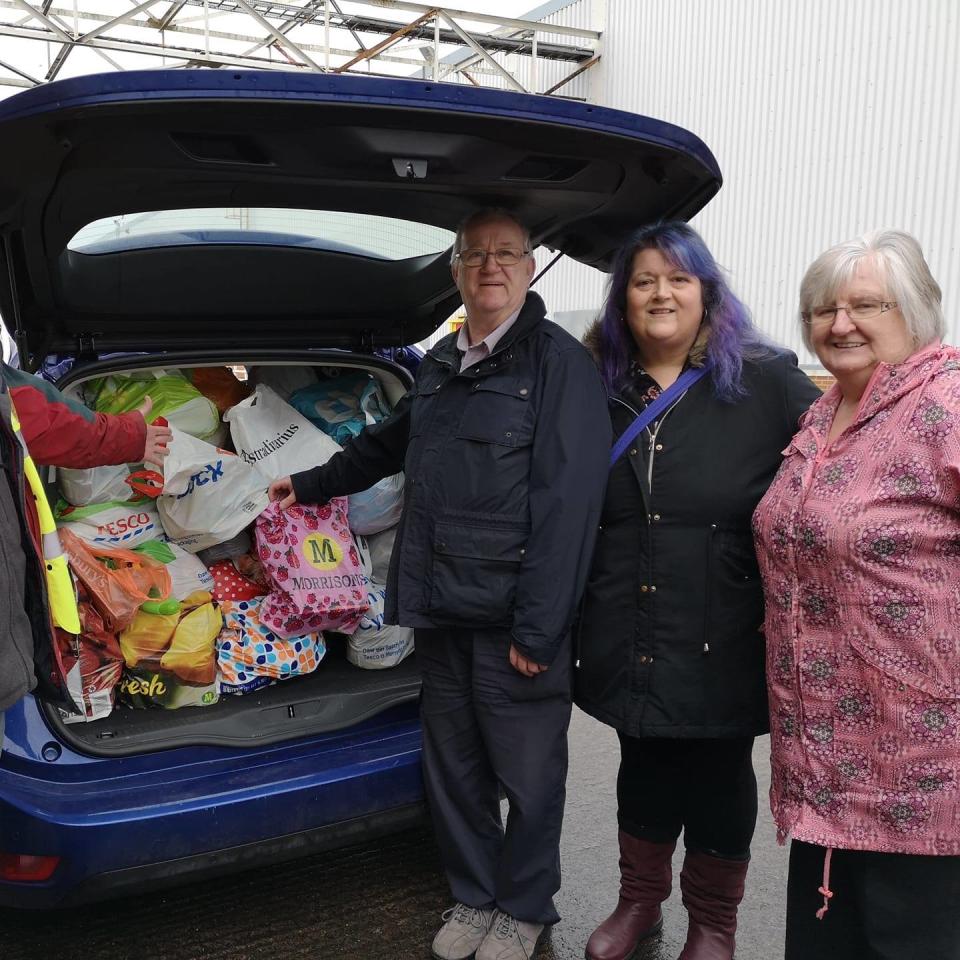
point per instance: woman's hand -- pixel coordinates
(283, 491)
(155, 445)
(524, 665)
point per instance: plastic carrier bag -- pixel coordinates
(380, 546)
(377, 508)
(187, 573)
(342, 406)
(170, 657)
(271, 436)
(250, 655)
(209, 495)
(318, 574)
(284, 380)
(114, 524)
(95, 485)
(376, 645)
(219, 385)
(92, 662)
(117, 581)
(174, 398)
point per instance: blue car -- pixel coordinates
(268, 220)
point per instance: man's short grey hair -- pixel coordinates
(482, 216)
(901, 262)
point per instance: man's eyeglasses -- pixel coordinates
(505, 257)
(861, 310)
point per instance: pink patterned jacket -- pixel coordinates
(859, 548)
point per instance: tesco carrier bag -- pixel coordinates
(112, 524)
(209, 495)
(374, 644)
(319, 575)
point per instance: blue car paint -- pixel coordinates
(109, 814)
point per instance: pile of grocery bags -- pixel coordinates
(191, 584)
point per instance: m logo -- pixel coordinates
(322, 552)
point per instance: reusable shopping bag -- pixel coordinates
(187, 573)
(209, 495)
(271, 436)
(117, 581)
(113, 524)
(318, 574)
(375, 645)
(250, 655)
(174, 398)
(231, 584)
(342, 406)
(170, 657)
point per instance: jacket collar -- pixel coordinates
(889, 383)
(531, 315)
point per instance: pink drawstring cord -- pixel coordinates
(825, 889)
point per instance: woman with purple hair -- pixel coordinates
(670, 649)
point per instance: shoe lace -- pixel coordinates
(507, 929)
(461, 913)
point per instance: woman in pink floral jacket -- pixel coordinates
(858, 539)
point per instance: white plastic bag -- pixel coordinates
(380, 546)
(376, 645)
(271, 436)
(187, 573)
(112, 524)
(285, 380)
(94, 485)
(209, 495)
(377, 508)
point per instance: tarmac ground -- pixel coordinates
(384, 899)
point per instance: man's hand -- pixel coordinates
(282, 490)
(521, 664)
(155, 446)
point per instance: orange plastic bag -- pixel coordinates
(219, 385)
(118, 581)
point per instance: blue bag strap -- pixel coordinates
(686, 380)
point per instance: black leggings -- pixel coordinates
(706, 788)
(885, 906)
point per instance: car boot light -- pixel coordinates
(26, 868)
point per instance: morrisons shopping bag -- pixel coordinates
(271, 436)
(170, 656)
(209, 495)
(319, 576)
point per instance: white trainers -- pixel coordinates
(462, 932)
(510, 939)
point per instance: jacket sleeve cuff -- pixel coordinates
(538, 653)
(307, 487)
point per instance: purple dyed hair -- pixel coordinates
(731, 335)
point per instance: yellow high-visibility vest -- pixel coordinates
(60, 592)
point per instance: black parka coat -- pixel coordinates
(669, 641)
(505, 465)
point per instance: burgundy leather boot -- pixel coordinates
(645, 877)
(711, 889)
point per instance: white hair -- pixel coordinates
(483, 216)
(900, 260)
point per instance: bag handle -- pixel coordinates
(686, 380)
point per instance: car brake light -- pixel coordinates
(25, 868)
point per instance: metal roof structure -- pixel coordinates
(41, 40)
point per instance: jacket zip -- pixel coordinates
(706, 619)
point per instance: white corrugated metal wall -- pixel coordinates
(828, 118)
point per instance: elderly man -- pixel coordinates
(504, 438)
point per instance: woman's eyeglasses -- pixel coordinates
(861, 310)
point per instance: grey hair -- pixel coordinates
(907, 275)
(482, 216)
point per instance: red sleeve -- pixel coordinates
(59, 434)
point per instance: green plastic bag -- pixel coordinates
(174, 397)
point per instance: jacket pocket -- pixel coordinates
(475, 568)
(498, 411)
(909, 668)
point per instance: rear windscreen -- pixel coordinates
(383, 238)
